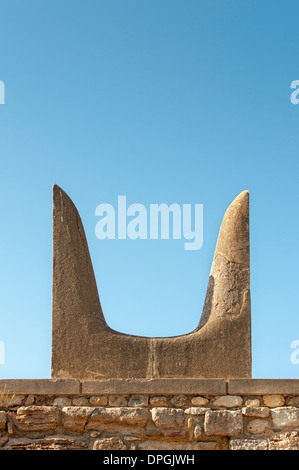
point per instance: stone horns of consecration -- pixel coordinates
(85, 347)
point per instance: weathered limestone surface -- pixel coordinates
(123, 415)
(273, 400)
(199, 401)
(257, 426)
(36, 418)
(285, 417)
(229, 401)
(256, 412)
(75, 418)
(109, 443)
(156, 386)
(85, 347)
(146, 421)
(223, 423)
(167, 417)
(263, 386)
(38, 386)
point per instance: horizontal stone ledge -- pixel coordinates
(157, 386)
(167, 386)
(263, 386)
(39, 387)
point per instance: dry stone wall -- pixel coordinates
(166, 414)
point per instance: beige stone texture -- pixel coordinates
(257, 426)
(74, 418)
(185, 427)
(195, 410)
(183, 446)
(159, 401)
(35, 418)
(29, 400)
(179, 400)
(248, 444)
(243, 386)
(138, 400)
(223, 423)
(252, 402)
(198, 431)
(286, 441)
(132, 416)
(294, 401)
(117, 400)
(256, 412)
(109, 443)
(48, 443)
(60, 402)
(286, 418)
(98, 400)
(167, 417)
(53, 386)
(273, 401)
(228, 401)
(80, 401)
(154, 386)
(6, 401)
(199, 401)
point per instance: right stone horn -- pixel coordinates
(221, 344)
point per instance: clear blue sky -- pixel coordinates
(162, 101)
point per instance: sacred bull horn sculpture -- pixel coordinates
(85, 347)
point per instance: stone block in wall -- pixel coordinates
(199, 401)
(117, 400)
(286, 441)
(258, 426)
(158, 401)
(98, 400)
(294, 401)
(223, 423)
(256, 411)
(80, 401)
(109, 443)
(74, 418)
(286, 418)
(179, 400)
(138, 400)
(121, 415)
(48, 443)
(60, 402)
(228, 401)
(195, 410)
(35, 418)
(273, 401)
(7, 401)
(167, 417)
(183, 446)
(248, 444)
